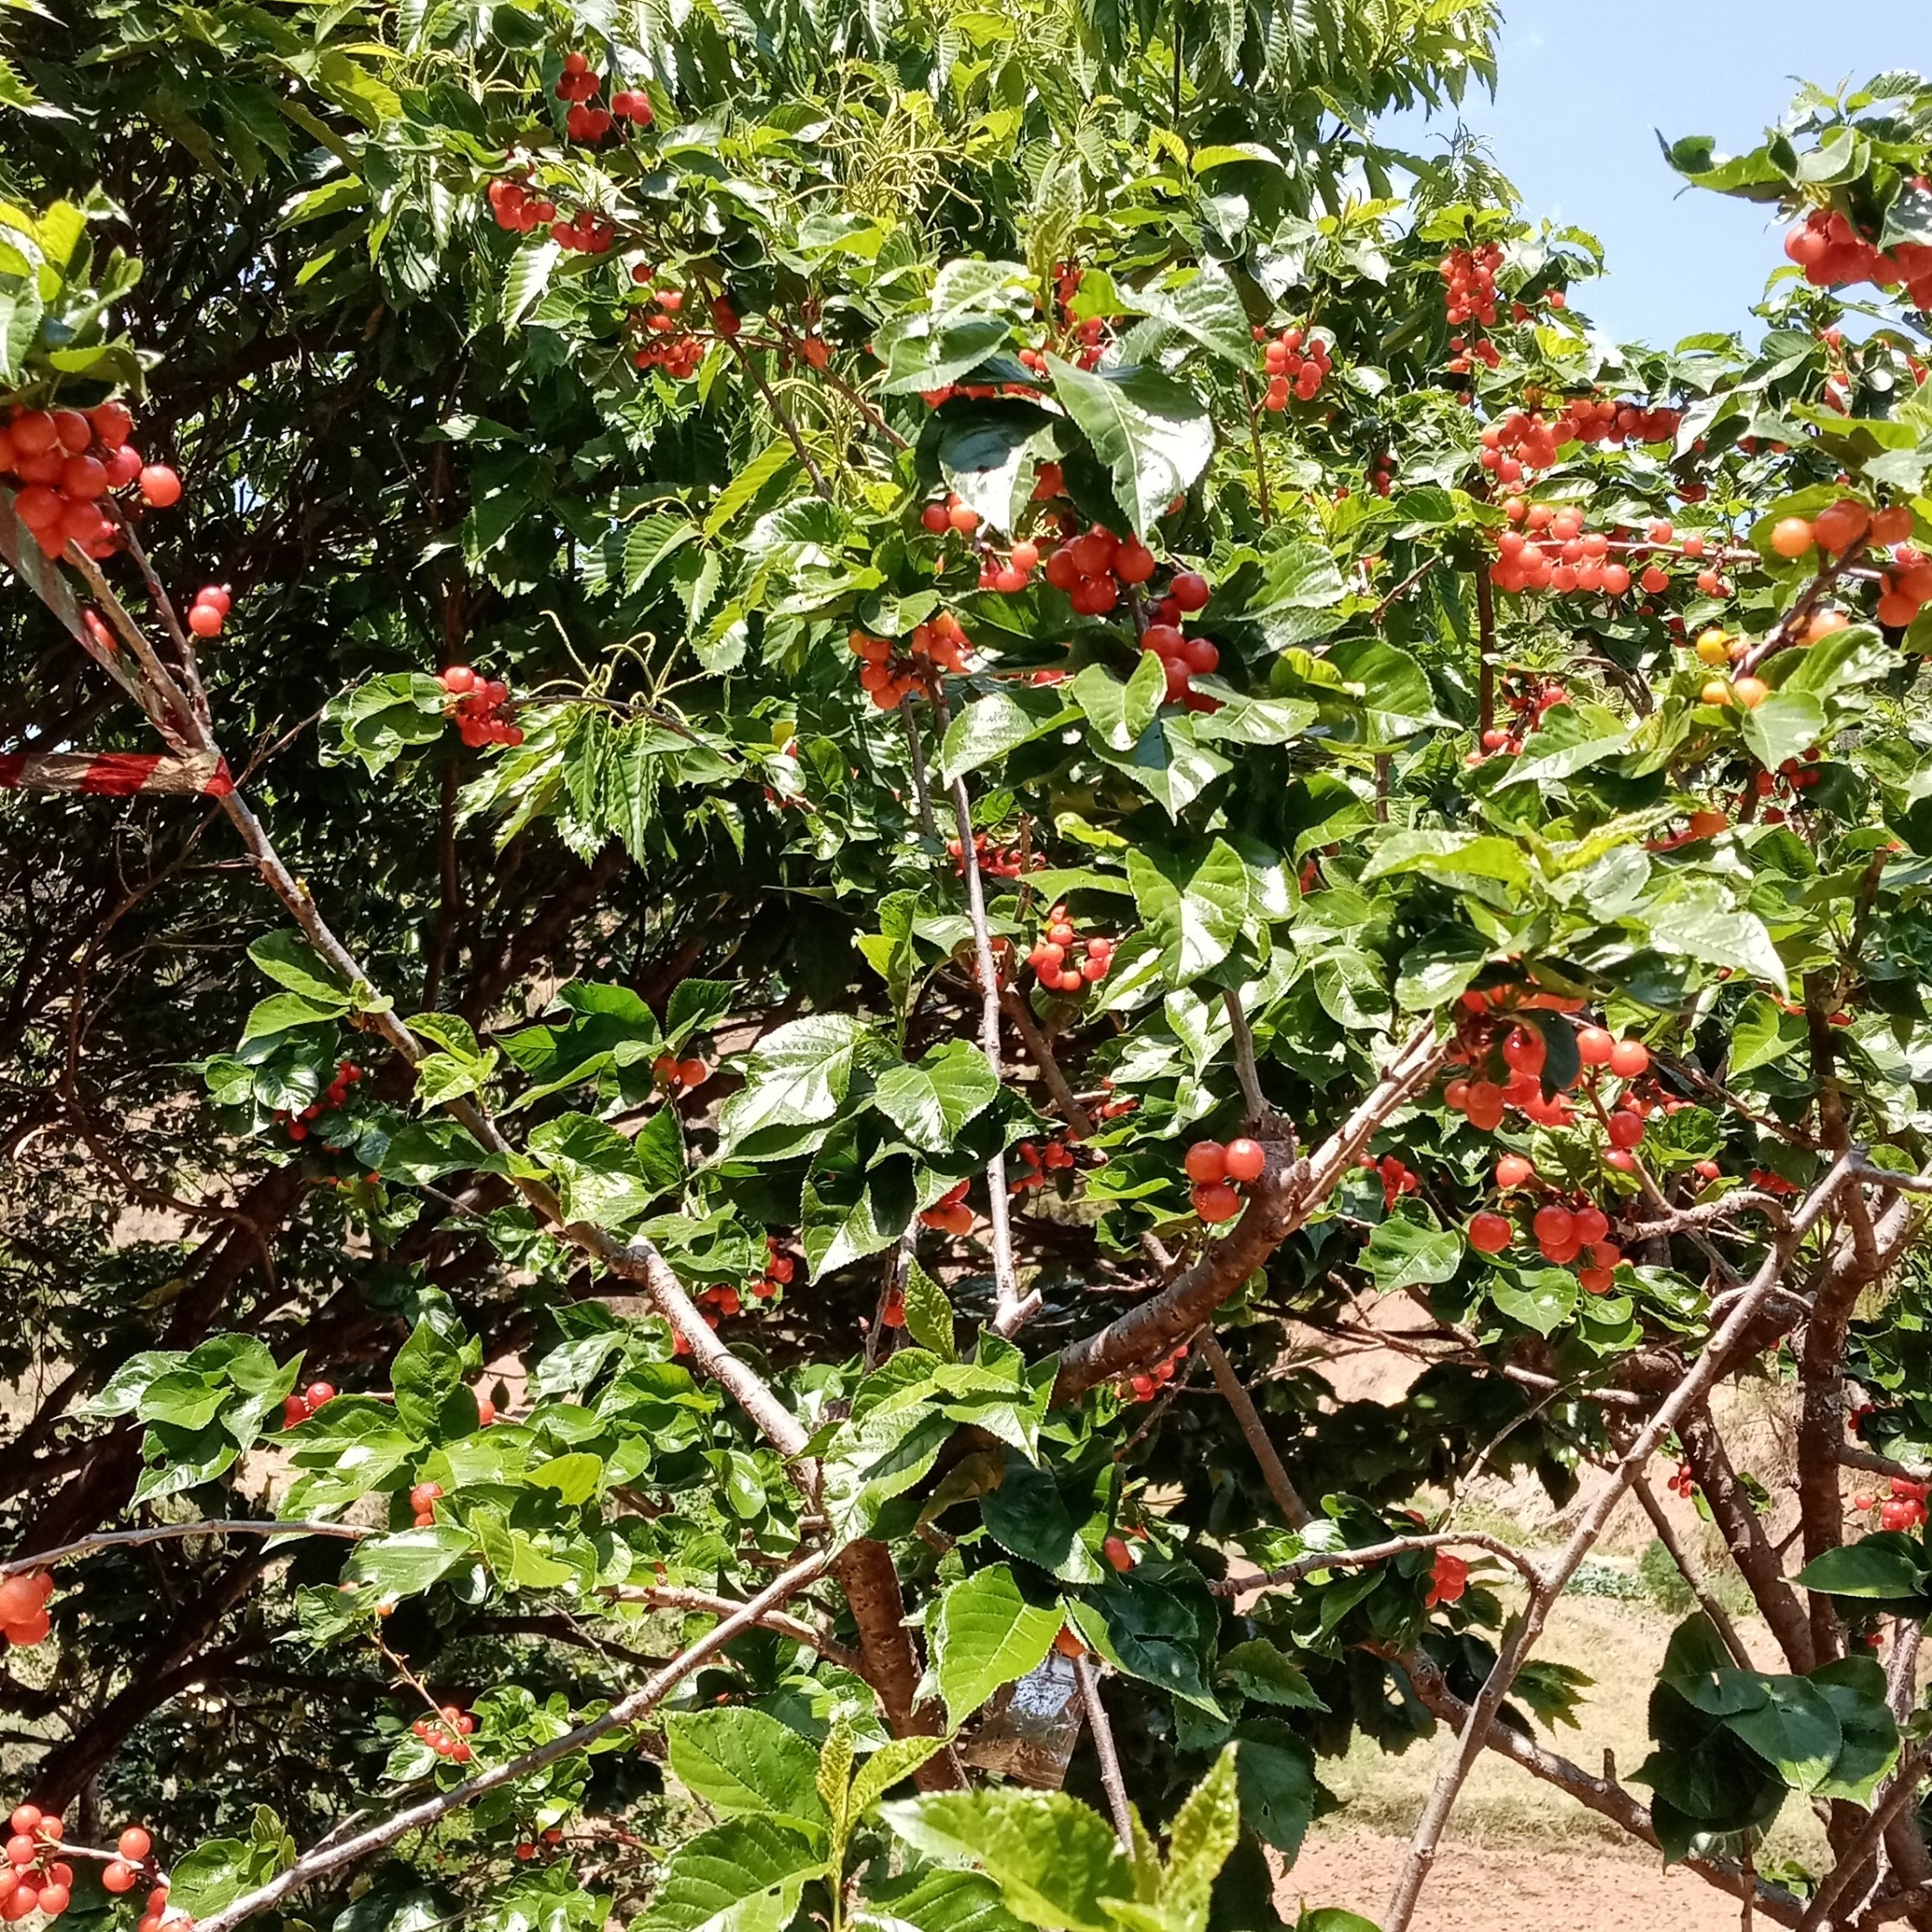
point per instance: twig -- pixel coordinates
(916, 751)
(1102, 1733)
(1012, 1003)
(1317, 1560)
(1485, 648)
(168, 1532)
(1409, 583)
(1287, 1500)
(784, 421)
(1260, 1114)
(1010, 1313)
(673, 1596)
(1667, 1535)
(320, 1861)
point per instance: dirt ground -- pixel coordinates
(1565, 1886)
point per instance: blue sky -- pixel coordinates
(1580, 91)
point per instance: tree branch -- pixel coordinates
(1288, 1499)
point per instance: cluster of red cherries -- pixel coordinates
(1448, 1579)
(1561, 1232)
(35, 1878)
(1112, 1106)
(579, 85)
(1469, 282)
(478, 707)
(1296, 363)
(1905, 587)
(1833, 253)
(1904, 1509)
(779, 1268)
(674, 348)
(1396, 1175)
(1528, 699)
(1145, 1386)
(299, 1407)
(447, 1733)
(68, 461)
(1064, 963)
(1085, 339)
(23, 1607)
(1040, 1163)
(887, 675)
(423, 1499)
(1683, 1483)
(678, 1076)
(347, 1074)
(1094, 567)
(513, 206)
(949, 1213)
(1220, 1173)
(995, 858)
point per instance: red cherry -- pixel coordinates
(1190, 590)
(160, 485)
(1513, 1170)
(116, 1877)
(205, 620)
(317, 1393)
(1206, 1162)
(693, 1073)
(1626, 1130)
(485, 1411)
(1555, 1227)
(1628, 1058)
(1245, 1159)
(1116, 1552)
(1216, 1202)
(1489, 1234)
(1595, 1044)
(134, 1845)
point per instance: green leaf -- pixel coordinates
(1406, 1249)
(897, 1758)
(929, 1317)
(914, 363)
(1693, 918)
(773, 460)
(1764, 1033)
(1855, 1689)
(932, 1900)
(428, 1370)
(291, 961)
(1785, 724)
(1154, 435)
(1545, 1299)
(1258, 1670)
(930, 1103)
(1119, 712)
(1207, 309)
(744, 1876)
(525, 280)
(986, 1633)
(1888, 1565)
(597, 1170)
(987, 459)
(1278, 1784)
(1199, 1840)
(742, 1762)
(1194, 916)
(1794, 1730)
(283, 1013)
(1468, 860)
(1028, 1514)
(1053, 1859)
(797, 1075)
(997, 722)
(1299, 590)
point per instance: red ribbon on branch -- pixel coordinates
(116, 774)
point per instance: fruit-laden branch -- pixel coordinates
(319, 1862)
(1602, 1795)
(892, 1669)
(1287, 1193)
(1689, 1395)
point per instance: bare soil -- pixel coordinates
(1563, 1886)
